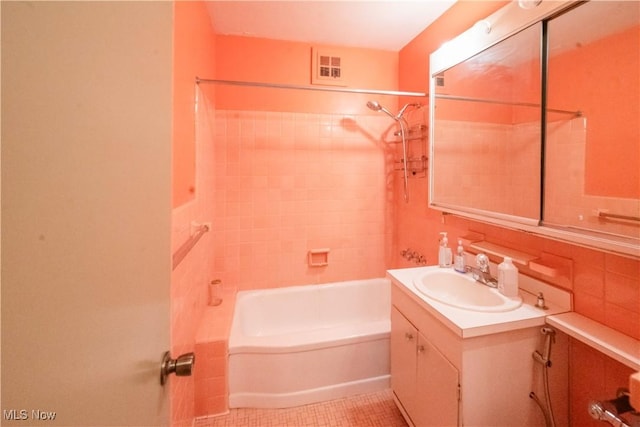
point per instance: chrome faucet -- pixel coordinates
(481, 273)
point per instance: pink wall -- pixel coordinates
(606, 287)
(299, 170)
(194, 45)
(274, 61)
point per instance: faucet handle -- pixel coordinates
(540, 303)
(482, 260)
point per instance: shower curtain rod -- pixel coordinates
(305, 87)
(493, 101)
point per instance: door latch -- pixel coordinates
(181, 366)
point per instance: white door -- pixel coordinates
(86, 188)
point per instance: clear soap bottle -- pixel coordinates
(444, 251)
(459, 263)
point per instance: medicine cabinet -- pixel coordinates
(534, 122)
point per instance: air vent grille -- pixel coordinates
(327, 67)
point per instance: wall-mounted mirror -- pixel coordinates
(534, 122)
(592, 162)
(486, 123)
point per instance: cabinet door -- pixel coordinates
(404, 337)
(437, 395)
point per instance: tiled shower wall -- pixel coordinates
(190, 278)
(288, 183)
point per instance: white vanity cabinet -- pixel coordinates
(440, 377)
(418, 368)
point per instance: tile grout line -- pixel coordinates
(374, 410)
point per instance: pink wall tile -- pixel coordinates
(590, 306)
(300, 181)
(622, 291)
(190, 279)
(593, 376)
(210, 376)
(589, 279)
(621, 265)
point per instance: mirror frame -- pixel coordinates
(504, 23)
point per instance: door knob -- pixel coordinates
(181, 366)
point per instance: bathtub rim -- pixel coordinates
(322, 335)
(315, 339)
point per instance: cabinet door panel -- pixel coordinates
(404, 337)
(437, 388)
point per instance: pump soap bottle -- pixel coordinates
(459, 264)
(444, 252)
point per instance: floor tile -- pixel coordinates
(370, 410)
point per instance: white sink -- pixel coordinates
(462, 291)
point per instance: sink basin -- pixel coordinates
(462, 291)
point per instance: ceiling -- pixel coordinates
(375, 24)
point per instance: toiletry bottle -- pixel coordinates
(508, 278)
(444, 251)
(459, 263)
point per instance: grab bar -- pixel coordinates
(183, 250)
(606, 215)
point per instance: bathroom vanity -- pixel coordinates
(453, 366)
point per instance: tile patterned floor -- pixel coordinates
(370, 410)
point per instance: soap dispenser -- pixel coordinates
(459, 264)
(444, 252)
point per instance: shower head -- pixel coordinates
(375, 106)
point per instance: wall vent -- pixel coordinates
(327, 67)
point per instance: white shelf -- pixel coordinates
(519, 257)
(614, 344)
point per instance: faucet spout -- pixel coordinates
(482, 273)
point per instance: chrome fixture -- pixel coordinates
(544, 359)
(540, 302)
(411, 255)
(550, 337)
(197, 231)
(181, 366)
(529, 4)
(309, 87)
(482, 272)
(618, 412)
(375, 106)
(483, 26)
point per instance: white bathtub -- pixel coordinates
(304, 344)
